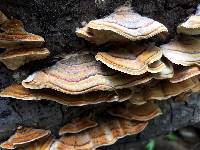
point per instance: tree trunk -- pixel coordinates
(56, 21)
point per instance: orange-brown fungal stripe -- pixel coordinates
(122, 25)
(106, 133)
(23, 136)
(78, 74)
(184, 73)
(15, 36)
(41, 144)
(77, 125)
(184, 51)
(130, 111)
(15, 58)
(192, 25)
(131, 59)
(17, 91)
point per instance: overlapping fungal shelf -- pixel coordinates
(133, 72)
(20, 46)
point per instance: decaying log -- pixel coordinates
(57, 21)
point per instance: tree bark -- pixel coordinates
(56, 21)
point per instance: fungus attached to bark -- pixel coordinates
(19, 92)
(130, 111)
(15, 58)
(122, 25)
(23, 136)
(81, 73)
(106, 133)
(192, 25)
(185, 51)
(184, 73)
(131, 59)
(15, 36)
(77, 125)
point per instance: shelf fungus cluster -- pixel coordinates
(20, 46)
(131, 71)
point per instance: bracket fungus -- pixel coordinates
(184, 73)
(132, 59)
(41, 144)
(106, 133)
(77, 125)
(78, 74)
(164, 89)
(192, 25)
(122, 25)
(23, 136)
(14, 35)
(184, 51)
(15, 58)
(130, 111)
(17, 91)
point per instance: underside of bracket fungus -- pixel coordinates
(17, 91)
(122, 25)
(41, 144)
(131, 59)
(23, 136)
(106, 133)
(130, 111)
(192, 25)
(164, 89)
(184, 51)
(15, 58)
(77, 125)
(184, 73)
(78, 74)
(14, 35)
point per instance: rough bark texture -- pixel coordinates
(56, 21)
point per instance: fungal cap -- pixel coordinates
(41, 144)
(122, 25)
(106, 133)
(132, 59)
(191, 26)
(77, 125)
(184, 73)
(23, 136)
(130, 111)
(82, 74)
(15, 58)
(14, 35)
(185, 52)
(164, 90)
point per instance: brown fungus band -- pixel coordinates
(17, 91)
